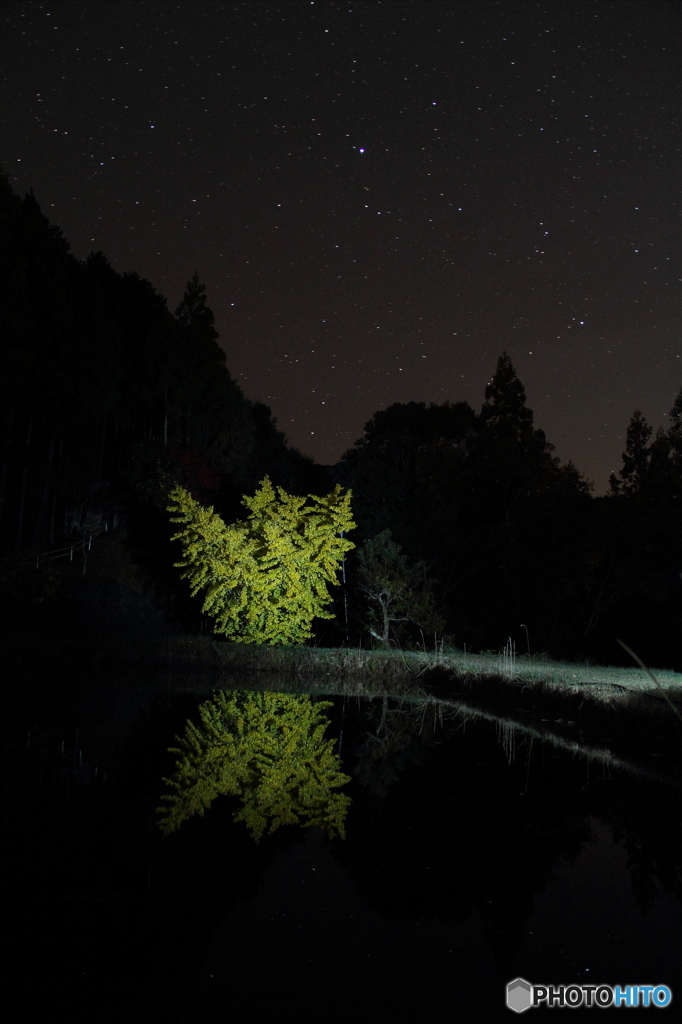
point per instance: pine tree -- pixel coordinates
(193, 311)
(212, 412)
(267, 749)
(265, 578)
(636, 457)
(514, 456)
(505, 408)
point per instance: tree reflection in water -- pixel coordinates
(460, 871)
(269, 750)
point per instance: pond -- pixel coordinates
(468, 862)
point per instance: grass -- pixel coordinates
(610, 685)
(620, 716)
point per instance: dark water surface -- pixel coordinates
(461, 870)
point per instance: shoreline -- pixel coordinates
(617, 716)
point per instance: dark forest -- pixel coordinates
(109, 400)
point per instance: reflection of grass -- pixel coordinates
(623, 717)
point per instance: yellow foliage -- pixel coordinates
(266, 748)
(265, 578)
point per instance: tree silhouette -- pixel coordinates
(635, 457)
(505, 409)
(193, 311)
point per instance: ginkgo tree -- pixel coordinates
(265, 578)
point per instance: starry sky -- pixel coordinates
(381, 197)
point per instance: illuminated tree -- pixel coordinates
(269, 750)
(265, 578)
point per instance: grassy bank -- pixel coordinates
(353, 666)
(618, 716)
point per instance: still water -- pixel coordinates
(462, 868)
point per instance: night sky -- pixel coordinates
(379, 196)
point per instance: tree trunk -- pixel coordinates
(22, 502)
(42, 510)
(5, 463)
(387, 622)
(52, 515)
(101, 447)
(3, 488)
(24, 478)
